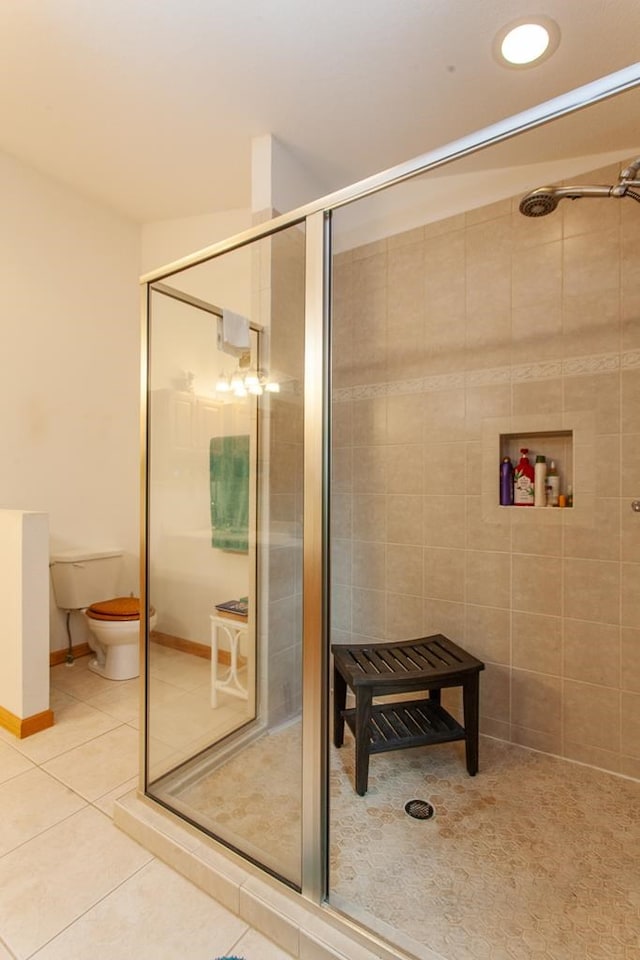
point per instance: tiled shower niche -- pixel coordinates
(554, 445)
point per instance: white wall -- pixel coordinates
(69, 391)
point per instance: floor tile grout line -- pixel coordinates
(52, 826)
(93, 905)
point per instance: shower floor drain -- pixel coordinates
(419, 809)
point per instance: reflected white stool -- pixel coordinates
(234, 627)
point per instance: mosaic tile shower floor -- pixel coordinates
(533, 859)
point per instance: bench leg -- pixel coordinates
(339, 703)
(470, 701)
(363, 737)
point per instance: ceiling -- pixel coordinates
(150, 106)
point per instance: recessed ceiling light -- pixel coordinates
(526, 42)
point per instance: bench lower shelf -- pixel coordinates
(413, 723)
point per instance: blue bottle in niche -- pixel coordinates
(506, 482)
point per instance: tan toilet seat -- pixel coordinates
(119, 609)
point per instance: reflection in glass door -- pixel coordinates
(224, 542)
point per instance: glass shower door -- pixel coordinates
(224, 542)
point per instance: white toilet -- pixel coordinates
(79, 579)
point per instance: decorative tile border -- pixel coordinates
(547, 370)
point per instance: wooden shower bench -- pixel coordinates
(405, 666)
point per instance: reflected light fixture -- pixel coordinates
(526, 42)
(242, 382)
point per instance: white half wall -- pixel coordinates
(24, 612)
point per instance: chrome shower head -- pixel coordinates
(544, 200)
(540, 202)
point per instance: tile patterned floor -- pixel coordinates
(533, 859)
(71, 884)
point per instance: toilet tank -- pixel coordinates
(82, 577)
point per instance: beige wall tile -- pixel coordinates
(592, 652)
(599, 539)
(442, 616)
(592, 756)
(444, 521)
(592, 217)
(341, 551)
(369, 517)
(443, 574)
(341, 608)
(498, 729)
(370, 420)
(494, 692)
(537, 396)
(592, 590)
(629, 533)
(405, 617)
(537, 274)
(536, 331)
(488, 633)
(534, 232)
(630, 407)
(490, 211)
(536, 585)
(591, 268)
(341, 424)
(630, 309)
(537, 739)
(447, 300)
(404, 468)
(483, 402)
(369, 472)
(630, 659)
(444, 468)
(536, 643)
(536, 534)
(442, 227)
(368, 613)
(630, 594)
(369, 564)
(591, 716)
(487, 533)
(404, 569)
(630, 709)
(591, 322)
(404, 518)
(599, 395)
(487, 578)
(630, 466)
(444, 416)
(607, 466)
(341, 471)
(405, 416)
(536, 701)
(630, 767)
(341, 515)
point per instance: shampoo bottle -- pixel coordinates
(539, 483)
(523, 480)
(553, 485)
(506, 482)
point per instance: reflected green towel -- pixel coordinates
(229, 474)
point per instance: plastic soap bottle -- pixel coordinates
(506, 482)
(540, 476)
(523, 481)
(553, 485)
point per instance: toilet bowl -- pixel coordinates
(114, 637)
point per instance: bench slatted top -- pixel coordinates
(379, 664)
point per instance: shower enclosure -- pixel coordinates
(406, 335)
